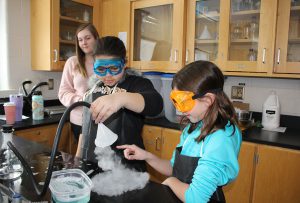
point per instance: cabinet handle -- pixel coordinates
(175, 57)
(264, 56)
(256, 157)
(187, 56)
(156, 144)
(55, 55)
(278, 56)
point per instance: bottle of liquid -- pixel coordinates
(271, 112)
(37, 106)
(10, 167)
(251, 55)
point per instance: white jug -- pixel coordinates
(271, 112)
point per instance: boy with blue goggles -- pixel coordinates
(112, 66)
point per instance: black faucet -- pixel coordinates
(27, 106)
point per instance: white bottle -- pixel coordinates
(271, 112)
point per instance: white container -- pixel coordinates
(170, 111)
(271, 112)
(70, 185)
(155, 78)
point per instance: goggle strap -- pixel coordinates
(196, 96)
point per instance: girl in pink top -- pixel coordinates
(77, 70)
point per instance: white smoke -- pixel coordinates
(116, 178)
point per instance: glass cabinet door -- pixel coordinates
(244, 30)
(156, 31)
(287, 57)
(251, 35)
(70, 15)
(203, 30)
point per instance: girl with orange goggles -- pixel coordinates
(184, 101)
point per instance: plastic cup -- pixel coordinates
(10, 112)
(18, 100)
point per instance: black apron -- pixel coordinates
(183, 169)
(128, 126)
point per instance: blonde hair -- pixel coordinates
(79, 53)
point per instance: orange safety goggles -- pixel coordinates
(184, 101)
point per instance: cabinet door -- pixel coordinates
(247, 43)
(202, 39)
(287, 58)
(277, 175)
(157, 35)
(240, 190)
(152, 141)
(53, 27)
(40, 135)
(170, 139)
(45, 135)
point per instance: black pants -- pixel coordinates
(76, 129)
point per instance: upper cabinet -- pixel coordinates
(53, 27)
(202, 41)
(248, 44)
(237, 35)
(157, 35)
(243, 37)
(287, 57)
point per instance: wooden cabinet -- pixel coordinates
(246, 41)
(240, 190)
(287, 55)
(267, 174)
(244, 38)
(161, 142)
(157, 33)
(276, 175)
(45, 135)
(53, 27)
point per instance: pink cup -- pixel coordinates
(10, 112)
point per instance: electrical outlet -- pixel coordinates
(50, 84)
(237, 92)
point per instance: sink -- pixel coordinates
(52, 110)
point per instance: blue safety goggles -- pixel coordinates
(112, 66)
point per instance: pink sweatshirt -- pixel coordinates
(72, 87)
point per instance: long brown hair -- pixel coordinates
(204, 76)
(79, 53)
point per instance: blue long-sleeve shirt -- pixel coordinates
(218, 163)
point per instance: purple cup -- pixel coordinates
(18, 100)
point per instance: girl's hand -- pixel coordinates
(133, 152)
(103, 107)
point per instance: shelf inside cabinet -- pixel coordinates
(77, 21)
(244, 41)
(213, 16)
(295, 8)
(67, 42)
(294, 40)
(247, 12)
(206, 41)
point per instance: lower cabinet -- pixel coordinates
(161, 142)
(267, 174)
(45, 135)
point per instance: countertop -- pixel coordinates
(289, 139)
(37, 157)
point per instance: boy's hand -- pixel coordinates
(133, 152)
(104, 106)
